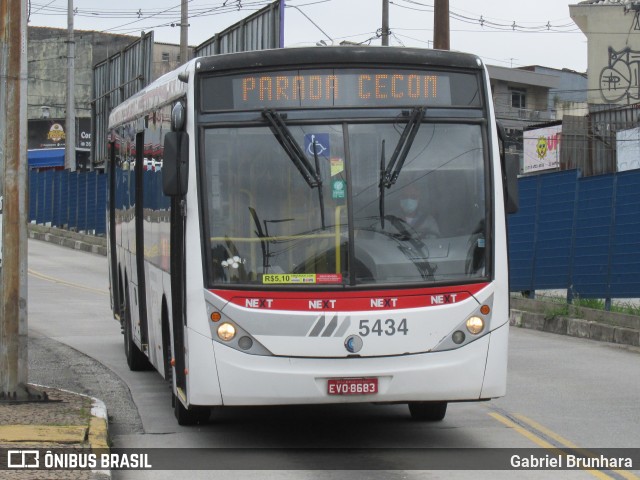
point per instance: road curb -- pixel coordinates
(65, 238)
(99, 426)
(98, 430)
(575, 327)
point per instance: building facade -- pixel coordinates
(612, 28)
(47, 86)
(611, 131)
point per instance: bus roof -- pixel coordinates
(339, 56)
(164, 90)
(169, 87)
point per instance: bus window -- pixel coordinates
(264, 214)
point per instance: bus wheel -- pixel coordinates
(189, 416)
(428, 411)
(136, 360)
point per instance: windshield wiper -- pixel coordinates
(404, 145)
(389, 173)
(285, 139)
(319, 182)
(289, 144)
(382, 185)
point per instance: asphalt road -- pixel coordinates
(563, 392)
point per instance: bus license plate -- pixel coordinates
(352, 386)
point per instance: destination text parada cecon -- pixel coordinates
(570, 461)
(327, 87)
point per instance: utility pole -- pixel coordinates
(441, 33)
(70, 134)
(184, 32)
(13, 174)
(385, 23)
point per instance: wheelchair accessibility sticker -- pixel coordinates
(319, 141)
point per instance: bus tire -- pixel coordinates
(136, 360)
(189, 416)
(428, 411)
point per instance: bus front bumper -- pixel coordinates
(474, 372)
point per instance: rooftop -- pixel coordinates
(608, 2)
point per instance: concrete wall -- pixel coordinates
(162, 64)
(48, 77)
(47, 60)
(613, 36)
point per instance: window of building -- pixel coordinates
(518, 98)
(165, 56)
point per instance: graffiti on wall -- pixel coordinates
(620, 79)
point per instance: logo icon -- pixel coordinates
(353, 344)
(542, 147)
(56, 133)
(23, 459)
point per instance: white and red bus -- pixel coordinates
(324, 225)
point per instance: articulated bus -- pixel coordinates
(312, 226)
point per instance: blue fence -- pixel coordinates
(579, 234)
(71, 200)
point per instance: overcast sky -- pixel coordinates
(503, 32)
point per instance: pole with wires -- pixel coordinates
(70, 127)
(385, 23)
(13, 192)
(184, 32)
(441, 32)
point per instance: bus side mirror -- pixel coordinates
(510, 166)
(175, 166)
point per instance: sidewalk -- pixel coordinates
(65, 420)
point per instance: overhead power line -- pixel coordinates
(493, 24)
(167, 17)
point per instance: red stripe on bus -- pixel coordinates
(350, 301)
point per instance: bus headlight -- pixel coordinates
(226, 332)
(475, 325)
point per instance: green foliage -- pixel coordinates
(557, 310)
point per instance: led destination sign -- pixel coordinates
(340, 88)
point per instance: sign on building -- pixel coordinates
(51, 133)
(542, 149)
(628, 149)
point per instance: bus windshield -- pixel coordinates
(325, 215)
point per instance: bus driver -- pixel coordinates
(415, 212)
